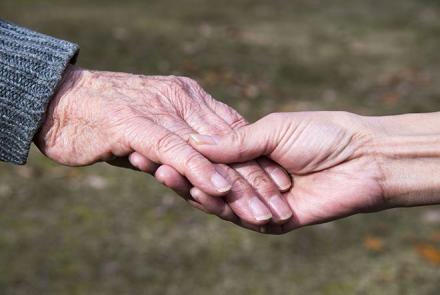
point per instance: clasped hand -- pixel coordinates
(280, 173)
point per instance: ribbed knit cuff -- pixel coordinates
(31, 66)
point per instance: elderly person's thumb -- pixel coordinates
(242, 144)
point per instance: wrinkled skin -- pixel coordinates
(328, 154)
(143, 122)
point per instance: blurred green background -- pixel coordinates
(100, 230)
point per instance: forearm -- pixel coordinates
(407, 149)
(409, 124)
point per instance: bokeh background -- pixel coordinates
(100, 230)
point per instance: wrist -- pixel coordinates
(70, 123)
(407, 151)
(69, 77)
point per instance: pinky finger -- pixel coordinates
(142, 163)
(172, 179)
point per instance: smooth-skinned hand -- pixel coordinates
(330, 156)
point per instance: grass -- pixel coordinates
(100, 230)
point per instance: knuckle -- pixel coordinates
(184, 93)
(191, 109)
(167, 143)
(187, 81)
(193, 88)
(235, 119)
(176, 84)
(238, 122)
(174, 79)
(193, 161)
(172, 86)
(259, 180)
(240, 186)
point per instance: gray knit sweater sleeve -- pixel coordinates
(31, 65)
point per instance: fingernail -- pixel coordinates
(203, 139)
(280, 178)
(259, 210)
(220, 183)
(280, 207)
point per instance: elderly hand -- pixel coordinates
(103, 116)
(332, 157)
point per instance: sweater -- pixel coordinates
(31, 66)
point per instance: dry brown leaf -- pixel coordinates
(429, 253)
(374, 244)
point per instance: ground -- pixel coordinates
(101, 230)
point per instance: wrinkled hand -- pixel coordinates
(330, 156)
(145, 121)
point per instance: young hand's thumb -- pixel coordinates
(242, 144)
